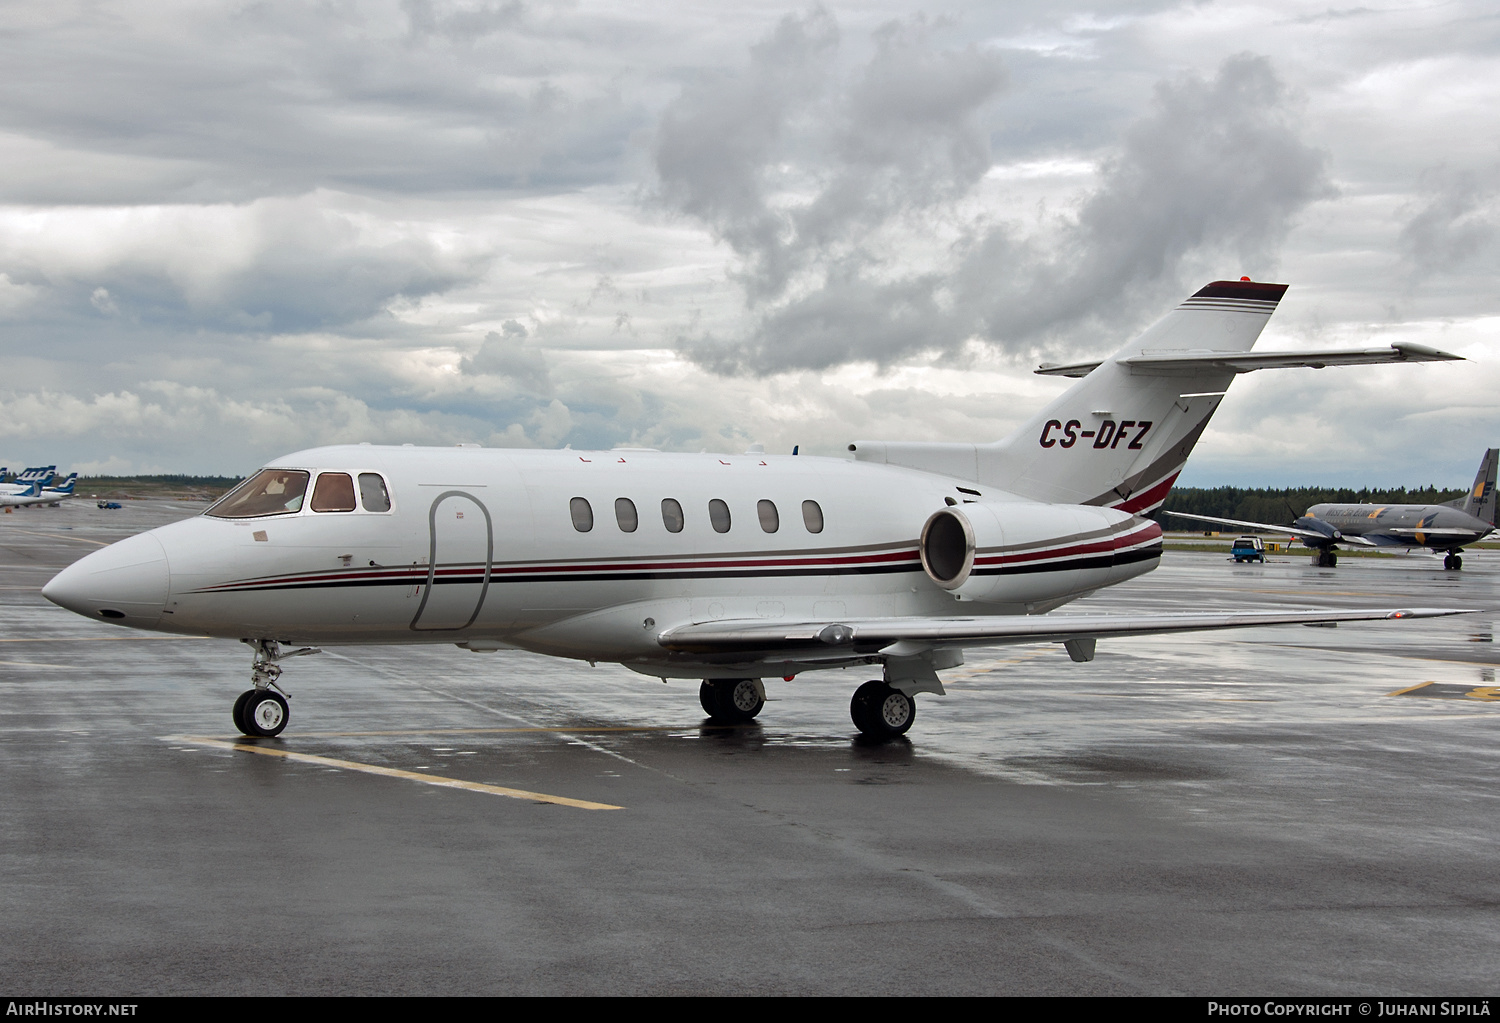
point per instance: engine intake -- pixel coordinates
(947, 548)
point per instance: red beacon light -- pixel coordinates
(1244, 278)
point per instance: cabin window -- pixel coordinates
(671, 515)
(769, 520)
(718, 515)
(812, 516)
(373, 496)
(334, 493)
(268, 492)
(583, 515)
(625, 514)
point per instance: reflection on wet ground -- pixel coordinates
(1294, 810)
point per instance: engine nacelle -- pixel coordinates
(1026, 553)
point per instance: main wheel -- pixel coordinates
(731, 700)
(1333, 560)
(881, 712)
(265, 714)
(239, 711)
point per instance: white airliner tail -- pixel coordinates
(1120, 436)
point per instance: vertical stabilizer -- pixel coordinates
(1481, 500)
(1119, 436)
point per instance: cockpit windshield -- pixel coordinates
(268, 492)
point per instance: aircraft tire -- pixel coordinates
(1333, 560)
(882, 712)
(239, 711)
(731, 700)
(265, 714)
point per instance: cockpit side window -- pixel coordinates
(268, 492)
(334, 493)
(373, 496)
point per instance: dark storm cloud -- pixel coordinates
(1218, 167)
(899, 135)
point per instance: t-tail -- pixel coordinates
(1481, 500)
(1119, 436)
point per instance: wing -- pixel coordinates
(1308, 534)
(1167, 364)
(898, 637)
(1434, 538)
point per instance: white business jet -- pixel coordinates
(725, 568)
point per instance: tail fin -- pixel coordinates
(1120, 436)
(66, 486)
(1481, 500)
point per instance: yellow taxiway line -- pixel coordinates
(391, 772)
(505, 731)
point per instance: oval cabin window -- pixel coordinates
(583, 515)
(769, 520)
(625, 515)
(812, 516)
(671, 515)
(718, 515)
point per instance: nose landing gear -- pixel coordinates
(262, 712)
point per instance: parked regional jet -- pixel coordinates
(24, 480)
(61, 491)
(1447, 527)
(725, 568)
(31, 494)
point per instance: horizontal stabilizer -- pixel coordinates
(1307, 534)
(855, 636)
(1169, 363)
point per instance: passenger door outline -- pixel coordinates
(432, 562)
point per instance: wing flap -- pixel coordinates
(875, 635)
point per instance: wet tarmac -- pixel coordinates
(1270, 811)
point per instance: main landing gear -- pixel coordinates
(732, 701)
(1326, 558)
(882, 712)
(262, 712)
(1453, 560)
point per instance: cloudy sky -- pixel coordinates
(230, 230)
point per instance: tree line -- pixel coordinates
(1281, 506)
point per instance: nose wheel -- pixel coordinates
(261, 713)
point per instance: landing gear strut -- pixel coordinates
(260, 711)
(882, 712)
(732, 701)
(1453, 560)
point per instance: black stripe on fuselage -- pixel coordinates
(497, 578)
(1098, 561)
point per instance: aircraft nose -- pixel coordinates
(125, 583)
